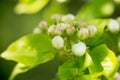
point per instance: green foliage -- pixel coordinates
(35, 49)
(30, 50)
(103, 62)
(96, 60)
(73, 69)
(96, 9)
(30, 6)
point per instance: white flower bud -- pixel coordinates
(62, 25)
(57, 17)
(58, 42)
(113, 26)
(58, 30)
(68, 18)
(79, 49)
(43, 25)
(70, 30)
(83, 33)
(81, 24)
(51, 29)
(37, 30)
(92, 30)
(64, 18)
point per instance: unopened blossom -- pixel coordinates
(70, 30)
(62, 25)
(83, 33)
(57, 17)
(113, 26)
(68, 18)
(37, 30)
(92, 30)
(51, 29)
(79, 49)
(58, 42)
(43, 25)
(58, 30)
(81, 24)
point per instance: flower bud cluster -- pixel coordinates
(67, 33)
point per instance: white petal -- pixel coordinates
(58, 42)
(79, 49)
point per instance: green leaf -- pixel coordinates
(111, 40)
(19, 68)
(100, 25)
(30, 50)
(96, 9)
(72, 69)
(104, 62)
(30, 6)
(68, 70)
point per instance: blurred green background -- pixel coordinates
(14, 26)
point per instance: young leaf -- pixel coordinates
(104, 58)
(30, 50)
(30, 6)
